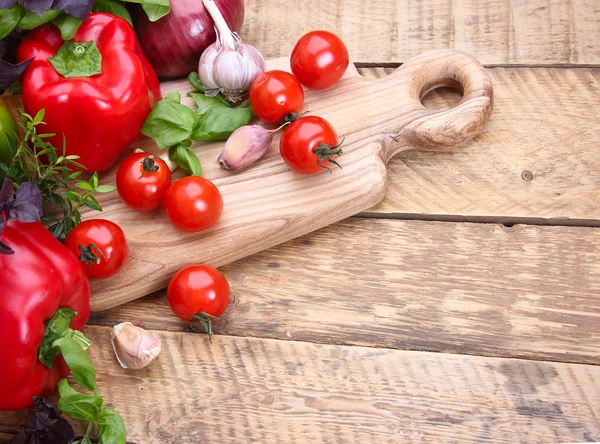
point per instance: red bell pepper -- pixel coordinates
(97, 89)
(43, 289)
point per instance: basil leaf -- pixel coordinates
(68, 25)
(10, 73)
(111, 427)
(114, 8)
(205, 103)
(27, 206)
(169, 123)
(78, 405)
(78, 361)
(9, 19)
(77, 59)
(175, 96)
(154, 9)
(220, 122)
(194, 80)
(77, 8)
(31, 20)
(186, 159)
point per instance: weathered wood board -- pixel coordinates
(268, 204)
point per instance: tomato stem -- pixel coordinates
(205, 321)
(89, 256)
(324, 152)
(149, 165)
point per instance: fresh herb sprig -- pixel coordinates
(55, 175)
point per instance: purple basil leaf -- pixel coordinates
(6, 193)
(10, 73)
(37, 6)
(77, 8)
(7, 4)
(2, 224)
(27, 206)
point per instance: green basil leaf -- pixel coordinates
(154, 9)
(68, 25)
(111, 427)
(77, 59)
(9, 19)
(169, 123)
(219, 123)
(31, 20)
(114, 8)
(78, 361)
(186, 159)
(194, 80)
(175, 96)
(205, 103)
(78, 405)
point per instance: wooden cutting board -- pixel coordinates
(268, 204)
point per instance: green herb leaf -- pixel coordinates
(105, 188)
(77, 59)
(169, 123)
(78, 405)
(205, 103)
(78, 361)
(220, 122)
(31, 20)
(93, 204)
(175, 96)
(111, 427)
(194, 80)
(9, 19)
(186, 159)
(84, 186)
(55, 329)
(154, 9)
(68, 25)
(114, 8)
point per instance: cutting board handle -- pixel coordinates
(425, 128)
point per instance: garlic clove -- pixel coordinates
(206, 67)
(245, 146)
(134, 347)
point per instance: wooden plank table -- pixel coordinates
(463, 308)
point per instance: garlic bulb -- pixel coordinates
(134, 347)
(229, 65)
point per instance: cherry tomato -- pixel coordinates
(101, 245)
(143, 181)
(199, 292)
(193, 203)
(319, 59)
(309, 144)
(274, 94)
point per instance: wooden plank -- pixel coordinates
(495, 31)
(535, 161)
(242, 390)
(526, 291)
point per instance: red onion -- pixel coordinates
(174, 44)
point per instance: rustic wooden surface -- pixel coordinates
(319, 345)
(267, 203)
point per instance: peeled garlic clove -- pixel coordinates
(134, 347)
(245, 146)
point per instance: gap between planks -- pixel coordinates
(480, 289)
(263, 390)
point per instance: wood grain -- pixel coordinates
(382, 31)
(267, 203)
(536, 160)
(483, 289)
(241, 390)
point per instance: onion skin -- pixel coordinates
(174, 44)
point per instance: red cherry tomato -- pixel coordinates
(143, 181)
(274, 94)
(101, 245)
(199, 292)
(319, 59)
(309, 145)
(193, 204)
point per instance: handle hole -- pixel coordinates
(442, 97)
